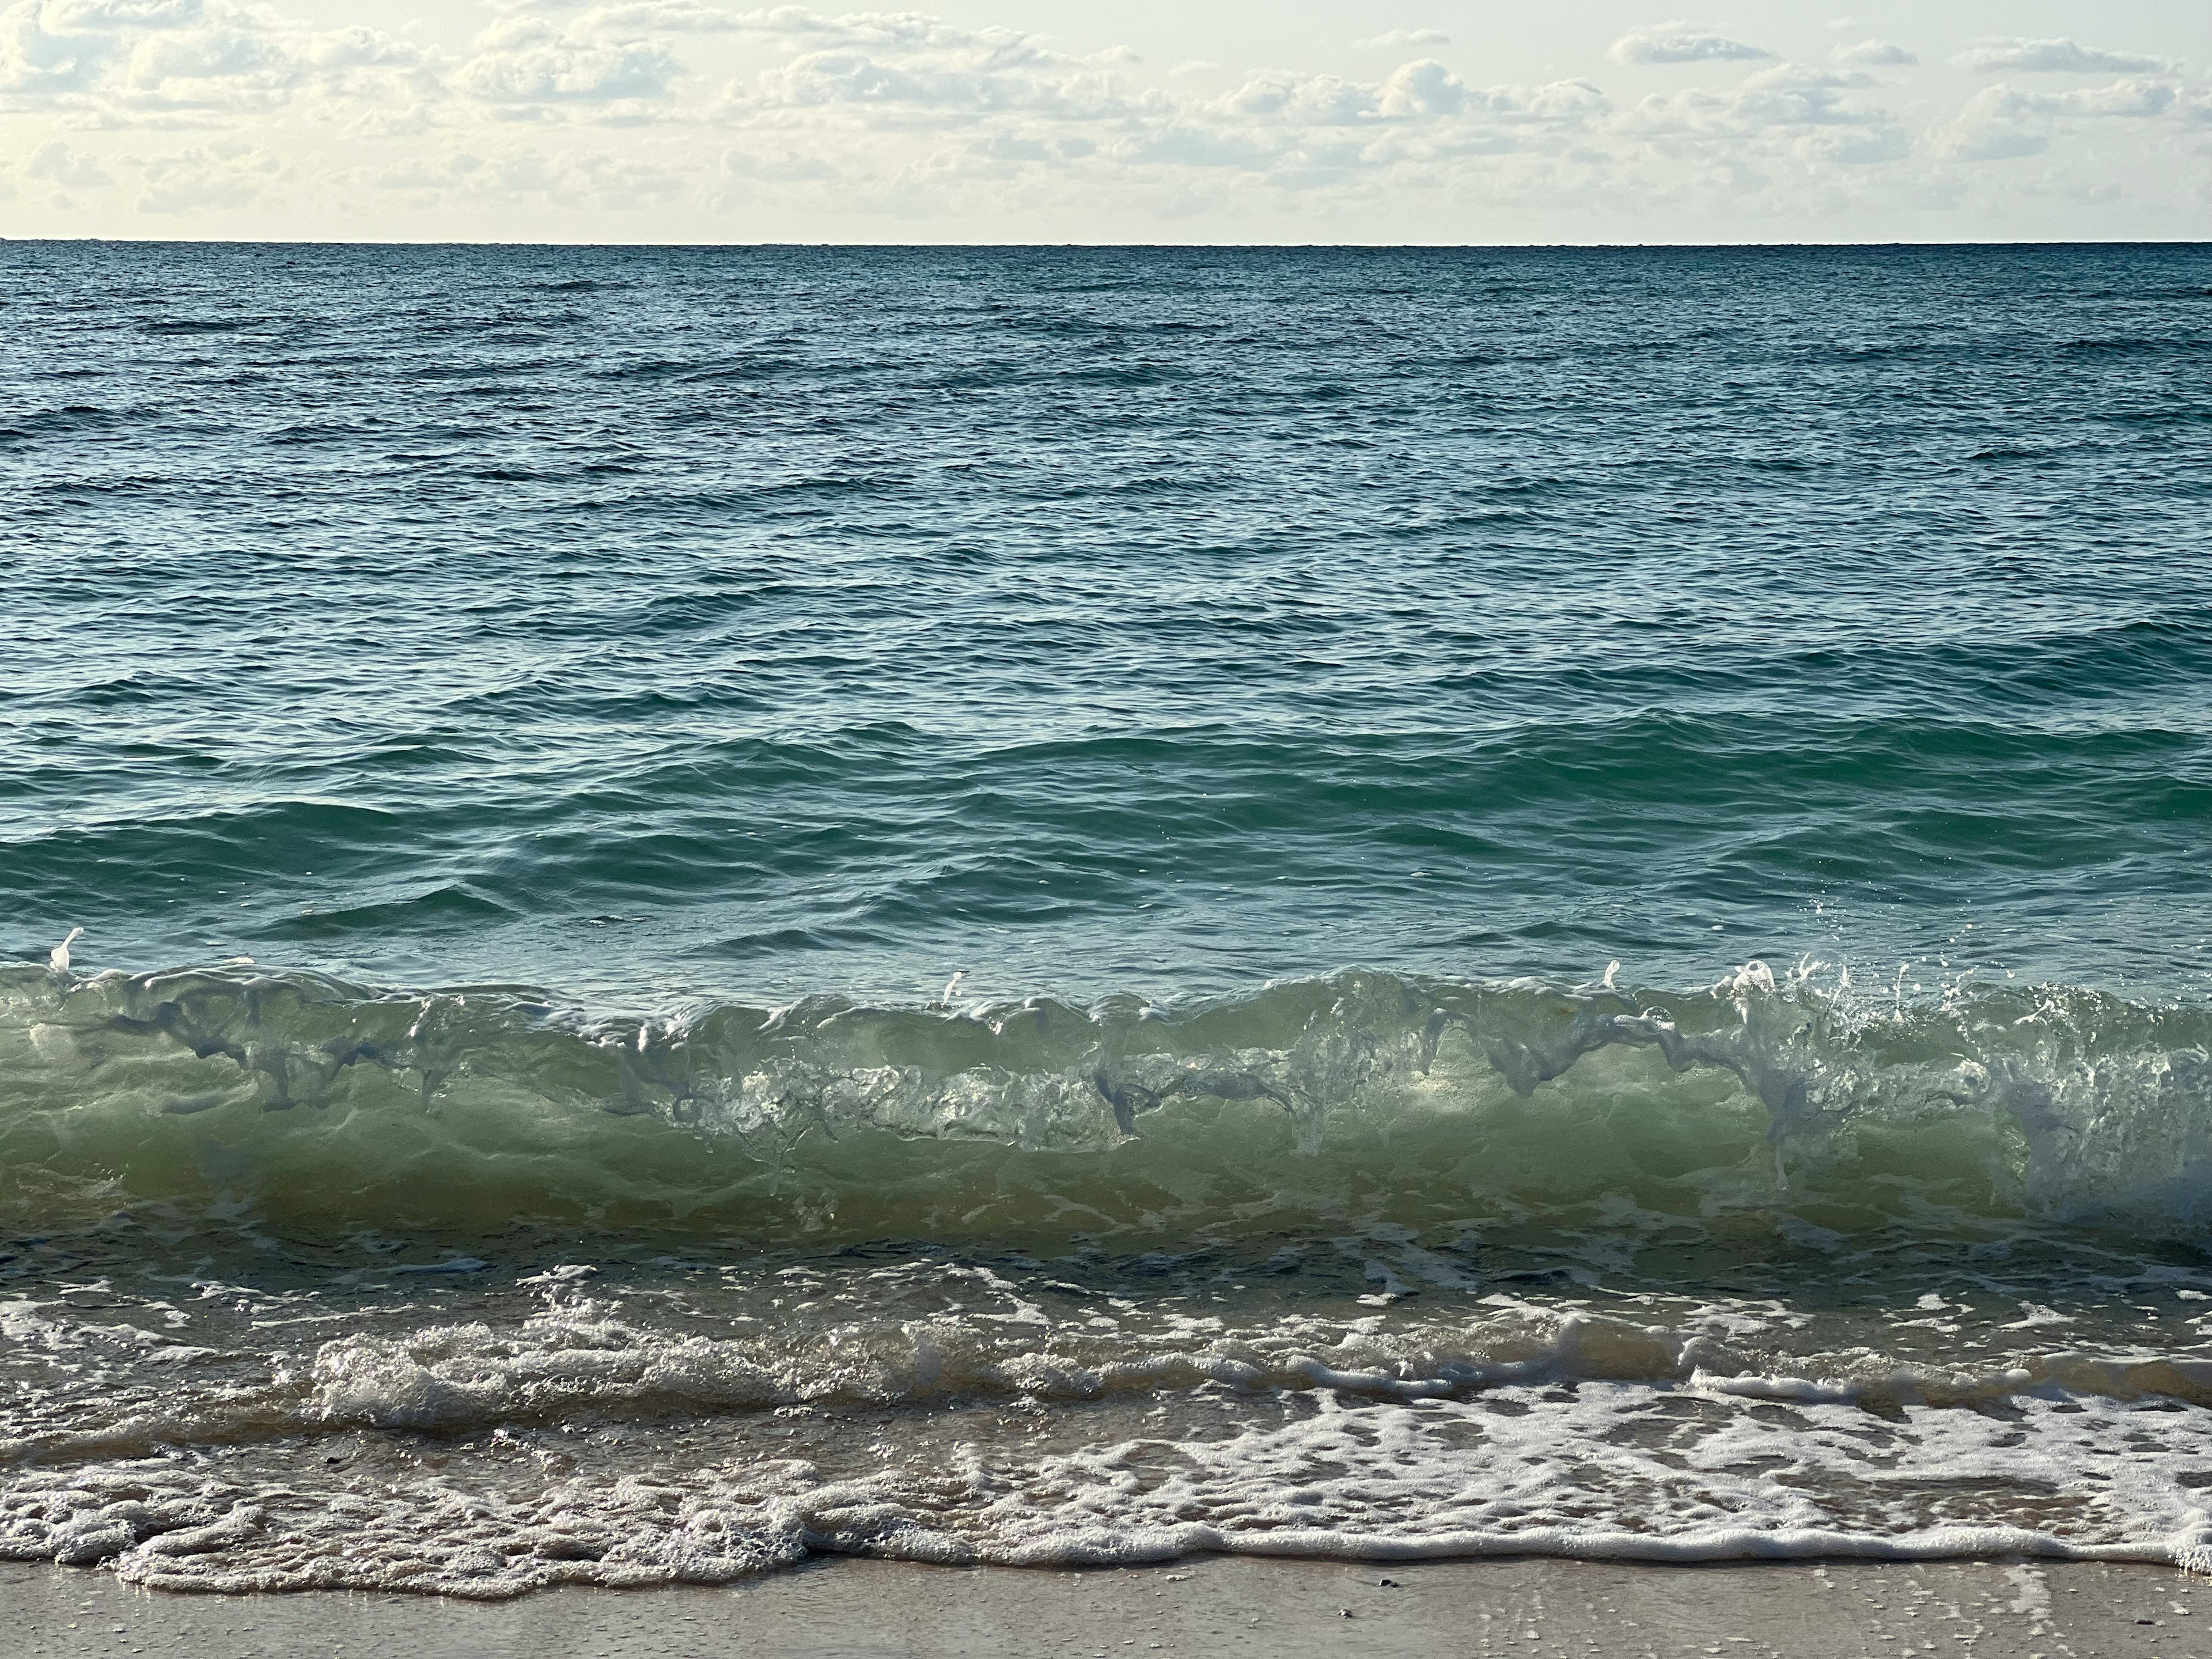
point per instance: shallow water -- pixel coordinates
(1577, 881)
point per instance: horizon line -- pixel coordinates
(1113, 247)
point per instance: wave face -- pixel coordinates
(1363, 1097)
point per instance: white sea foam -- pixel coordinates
(584, 1443)
(1614, 1470)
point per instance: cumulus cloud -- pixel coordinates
(563, 107)
(906, 29)
(2004, 123)
(1424, 87)
(1812, 116)
(1997, 56)
(525, 61)
(1980, 143)
(862, 80)
(159, 61)
(2129, 99)
(659, 17)
(1678, 43)
(1873, 54)
(608, 183)
(38, 62)
(222, 175)
(83, 15)
(1322, 100)
(54, 163)
(1398, 39)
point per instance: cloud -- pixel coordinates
(1809, 116)
(37, 63)
(659, 17)
(562, 179)
(910, 30)
(160, 60)
(56, 163)
(1998, 55)
(1397, 39)
(862, 80)
(1322, 100)
(213, 176)
(2003, 123)
(787, 167)
(794, 116)
(85, 17)
(524, 61)
(1992, 144)
(2126, 99)
(1873, 54)
(1678, 43)
(1424, 87)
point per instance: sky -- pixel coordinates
(1084, 121)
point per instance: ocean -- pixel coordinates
(1065, 906)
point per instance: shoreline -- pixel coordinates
(1209, 1605)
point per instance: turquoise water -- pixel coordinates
(1047, 906)
(660, 624)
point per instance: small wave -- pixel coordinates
(1369, 1096)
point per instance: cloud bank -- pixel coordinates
(682, 119)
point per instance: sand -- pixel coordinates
(1212, 1607)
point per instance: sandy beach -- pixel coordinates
(1213, 1606)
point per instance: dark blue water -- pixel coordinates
(656, 623)
(1058, 906)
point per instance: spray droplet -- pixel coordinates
(59, 957)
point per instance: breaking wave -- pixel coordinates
(1367, 1096)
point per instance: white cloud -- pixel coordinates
(659, 17)
(55, 163)
(527, 62)
(2127, 100)
(1997, 56)
(223, 175)
(2003, 123)
(1873, 54)
(1992, 144)
(38, 62)
(1678, 43)
(1805, 115)
(562, 180)
(905, 29)
(1424, 87)
(1322, 100)
(1035, 84)
(656, 112)
(1398, 39)
(154, 62)
(790, 166)
(85, 17)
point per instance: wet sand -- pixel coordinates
(1214, 1606)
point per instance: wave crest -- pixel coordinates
(1364, 1095)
